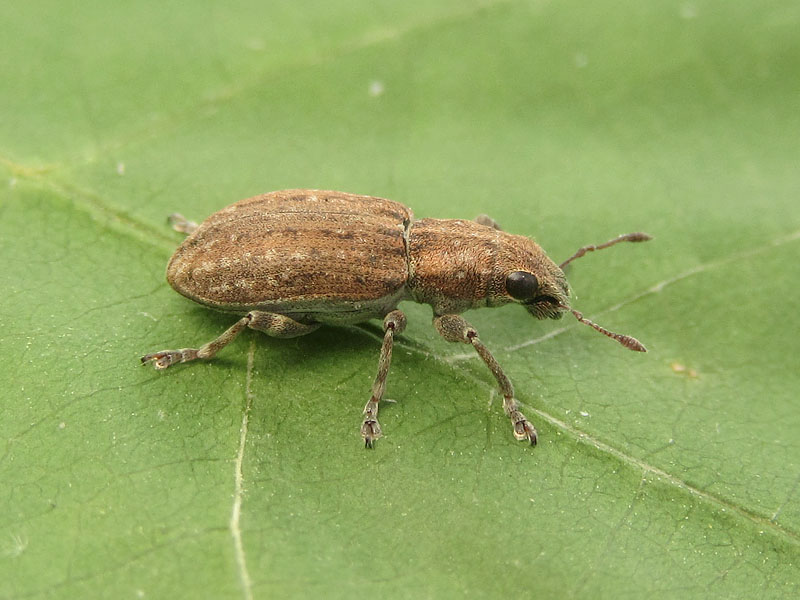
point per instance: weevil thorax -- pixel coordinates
(456, 265)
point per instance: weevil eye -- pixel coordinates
(522, 285)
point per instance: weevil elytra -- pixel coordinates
(295, 260)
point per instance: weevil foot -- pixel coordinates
(523, 429)
(165, 358)
(370, 431)
(370, 428)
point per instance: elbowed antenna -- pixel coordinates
(631, 343)
(628, 237)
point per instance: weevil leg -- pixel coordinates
(488, 221)
(180, 223)
(455, 328)
(272, 324)
(393, 323)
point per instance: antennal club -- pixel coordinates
(631, 343)
(628, 237)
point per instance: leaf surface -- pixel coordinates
(673, 473)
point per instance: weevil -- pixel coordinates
(289, 262)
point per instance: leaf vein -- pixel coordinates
(238, 492)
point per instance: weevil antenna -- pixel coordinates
(631, 343)
(628, 237)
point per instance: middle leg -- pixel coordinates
(393, 323)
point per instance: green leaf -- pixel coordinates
(668, 474)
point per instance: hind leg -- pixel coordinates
(273, 324)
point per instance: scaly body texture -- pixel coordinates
(293, 253)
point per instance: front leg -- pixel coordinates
(488, 221)
(455, 328)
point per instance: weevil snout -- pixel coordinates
(546, 307)
(544, 298)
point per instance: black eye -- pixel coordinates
(522, 285)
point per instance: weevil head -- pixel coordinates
(525, 274)
(457, 265)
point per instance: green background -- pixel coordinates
(669, 474)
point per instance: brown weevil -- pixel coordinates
(294, 260)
